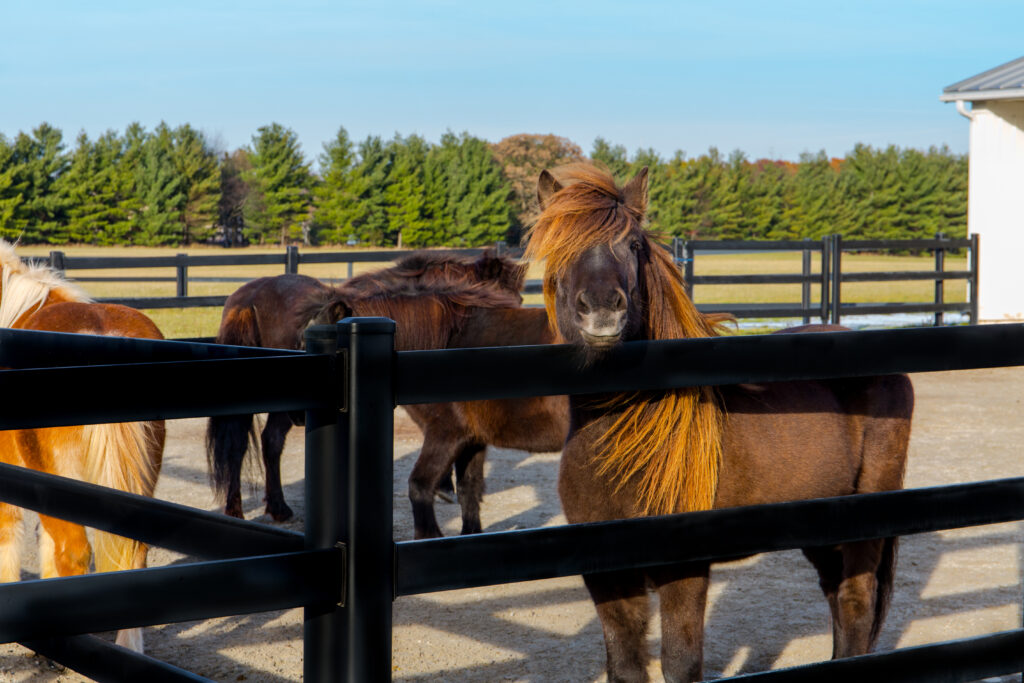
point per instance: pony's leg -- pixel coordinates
(68, 547)
(858, 618)
(439, 450)
(622, 605)
(11, 530)
(683, 593)
(272, 440)
(446, 488)
(469, 468)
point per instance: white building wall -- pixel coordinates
(995, 205)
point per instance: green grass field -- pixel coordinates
(200, 322)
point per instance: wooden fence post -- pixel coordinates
(57, 261)
(182, 274)
(837, 276)
(940, 285)
(291, 259)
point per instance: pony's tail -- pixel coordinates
(122, 456)
(884, 579)
(230, 438)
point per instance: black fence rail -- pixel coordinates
(830, 275)
(290, 260)
(826, 281)
(346, 569)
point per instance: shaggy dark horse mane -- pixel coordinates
(671, 440)
(424, 269)
(426, 313)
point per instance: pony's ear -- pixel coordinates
(546, 187)
(634, 194)
(489, 266)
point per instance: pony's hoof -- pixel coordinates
(280, 513)
(234, 512)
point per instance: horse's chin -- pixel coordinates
(600, 343)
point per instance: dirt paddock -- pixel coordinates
(764, 612)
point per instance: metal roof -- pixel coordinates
(1001, 83)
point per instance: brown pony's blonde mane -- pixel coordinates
(668, 444)
(25, 287)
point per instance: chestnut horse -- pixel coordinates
(124, 456)
(439, 300)
(646, 453)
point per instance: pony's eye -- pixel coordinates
(636, 246)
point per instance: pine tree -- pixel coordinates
(406, 193)
(335, 203)
(197, 168)
(38, 161)
(279, 206)
(235, 191)
(97, 212)
(479, 197)
(614, 158)
(9, 198)
(160, 191)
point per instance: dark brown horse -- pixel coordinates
(636, 454)
(457, 434)
(438, 300)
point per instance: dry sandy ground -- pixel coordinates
(764, 612)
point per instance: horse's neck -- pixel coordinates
(503, 327)
(23, 296)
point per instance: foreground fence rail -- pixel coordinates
(346, 569)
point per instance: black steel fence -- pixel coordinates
(346, 569)
(830, 275)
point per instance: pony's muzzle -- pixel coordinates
(601, 320)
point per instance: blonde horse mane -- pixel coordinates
(668, 444)
(25, 287)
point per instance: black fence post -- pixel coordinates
(972, 282)
(322, 629)
(366, 500)
(57, 261)
(182, 274)
(291, 260)
(940, 285)
(805, 286)
(837, 276)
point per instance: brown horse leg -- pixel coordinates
(64, 550)
(469, 468)
(848, 578)
(683, 593)
(622, 605)
(272, 441)
(11, 530)
(439, 451)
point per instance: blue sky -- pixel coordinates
(773, 79)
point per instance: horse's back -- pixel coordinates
(111, 320)
(812, 439)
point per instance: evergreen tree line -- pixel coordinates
(171, 187)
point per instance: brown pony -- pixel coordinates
(643, 453)
(123, 456)
(461, 316)
(438, 299)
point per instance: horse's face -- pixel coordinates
(598, 301)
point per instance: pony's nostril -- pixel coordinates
(619, 302)
(581, 303)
